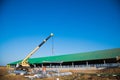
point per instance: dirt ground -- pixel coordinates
(106, 74)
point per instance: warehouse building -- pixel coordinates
(97, 59)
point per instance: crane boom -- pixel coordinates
(24, 61)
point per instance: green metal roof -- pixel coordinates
(102, 54)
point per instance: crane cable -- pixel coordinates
(52, 46)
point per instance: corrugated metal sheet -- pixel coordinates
(102, 54)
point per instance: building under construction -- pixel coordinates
(95, 59)
(51, 66)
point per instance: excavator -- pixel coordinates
(24, 64)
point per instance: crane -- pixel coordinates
(24, 63)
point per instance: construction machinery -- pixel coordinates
(24, 64)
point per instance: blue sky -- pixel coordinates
(78, 26)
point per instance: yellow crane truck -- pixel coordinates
(24, 64)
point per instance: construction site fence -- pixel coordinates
(86, 66)
(81, 66)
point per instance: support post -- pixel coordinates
(50, 65)
(42, 64)
(104, 62)
(60, 65)
(34, 65)
(72, 64)
(87, 63)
